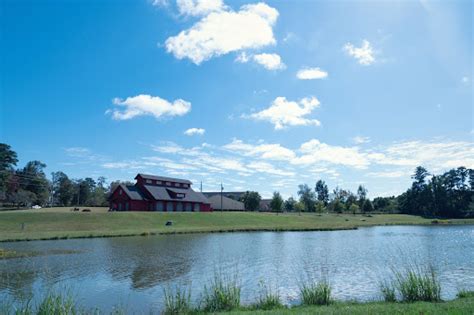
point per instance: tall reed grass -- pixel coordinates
(316, 293)
(177, 301)
(268, 299)
(223, 294)
(414, 283)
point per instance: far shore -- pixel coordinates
(61, 223)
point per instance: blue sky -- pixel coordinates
(259, 95)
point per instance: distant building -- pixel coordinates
(265, 205)
(158, 193)
(228, 204)
(236, 195)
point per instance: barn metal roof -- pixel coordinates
(133, 192)
(161, 193)
(164, 179)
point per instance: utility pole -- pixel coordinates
(201, 186)
(222, 189)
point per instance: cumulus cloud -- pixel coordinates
(199, 7)
(269, 61)
(194, 131)
(264, 151)
(222, 32)
(311, 74)
(364, 54)
(314, 152)
(283, 113)
(147, 105)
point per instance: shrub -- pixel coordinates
(177, 301)
(465, 294)
(316, 293)
(223, 294)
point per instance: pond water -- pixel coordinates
(133, 272)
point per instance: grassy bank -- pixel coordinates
(61, 223)
(457, 306)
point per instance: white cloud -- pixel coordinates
(226, 31)
(360, 139)
(311, 74)
(243, 57)
(390, 174)
(264, 151)
(283, 113)
(465, 80)
(314, 152)
(266, 167)
(269, 61)
(194, 131)
(364, 54)
(160, 3)
(147, 105)
(199, 7)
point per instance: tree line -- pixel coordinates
(447, 195)
(28, 186)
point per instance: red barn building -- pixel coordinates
(158, 193)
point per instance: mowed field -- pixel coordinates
(61, 223)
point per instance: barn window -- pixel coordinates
(120, 191)
(169, 206)
(179, 206)
(149, 181)
(158, 182)
(179, 195)
(178, 184)
(196, 207)
(168, 184)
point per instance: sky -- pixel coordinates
(257, 95)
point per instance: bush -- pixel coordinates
(223, 294)
(177, 301)
(318, 293)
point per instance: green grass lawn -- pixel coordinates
(458, 307)
(61, 223)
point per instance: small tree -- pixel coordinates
(319, 207)
(277, 202)
(368, 207)
(251, 200)
(354, 208)
(290, 204)
(299, 207)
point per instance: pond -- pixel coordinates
(132, 272)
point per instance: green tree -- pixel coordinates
(361, 195)
(354, 208)
(322, 192)
(33, 179)
(290, 204)
(251, 200)
(8, 160)
(307, 197)
(277, 202)
(63, 189)
(368, 207)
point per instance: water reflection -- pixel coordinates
(135, 270)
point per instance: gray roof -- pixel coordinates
(164, 179)
(133, 192)
(161, 193)
(227, 203)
